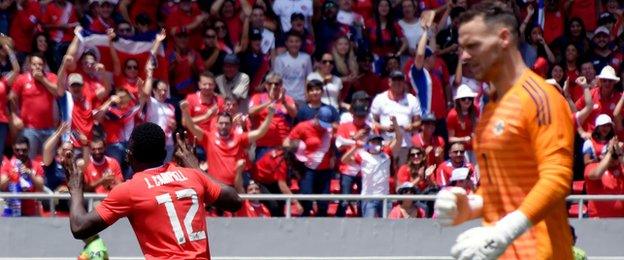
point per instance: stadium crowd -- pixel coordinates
(291, 96)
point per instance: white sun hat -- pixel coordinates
(603, 119)
(463, 91)
(608, 73)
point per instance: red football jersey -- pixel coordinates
(165, 206)
(94, 172)
(222, 155)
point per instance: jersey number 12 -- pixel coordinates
(188, 219)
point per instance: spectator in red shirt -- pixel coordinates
(462, 119)
(428, 141)
(103, 18)
(445, 170)
(312, 142)
(24, 24)
(253, 208)
(6, 81)
(187, 17)
(60, 19)
(417, 172)
(226, 11)
(224, 147)
(184, 65)
(21, 174)
(126, 76)
(285, 111)
(130, 10)
(606, 177)
(102, 173)
(271, 171)
(82, 120)
(367, 80)
(605, 97)
(32, 101)
(597, 144)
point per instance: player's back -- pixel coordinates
(165, 206)
(529, 125)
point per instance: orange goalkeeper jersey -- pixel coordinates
(523, 146)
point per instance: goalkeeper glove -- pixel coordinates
(490, 242)
(452, 206)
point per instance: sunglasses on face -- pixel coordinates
(465, 99)
(132, 67)
(330, 62)
(412, 154)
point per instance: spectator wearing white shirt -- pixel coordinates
(285, 8)
(410, 24)
(233, 82)
(294, 66)
(399, 103)
(332, 85)
(374, 161)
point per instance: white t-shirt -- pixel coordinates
(404, 110)
(375, 169)
(285, 8)
(294, 71)
(331, 90)
(161, 113)
(412, 32)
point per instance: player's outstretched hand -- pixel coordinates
(184, 153)
(73, 174)
(490, 242)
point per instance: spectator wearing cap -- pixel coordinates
(332, 85)
(602, 54)
(311, 142)
(398, 102)
(60, 18)
(457, 160)
(432, 144)
(359, 98)
(596, 146)
(32, 102)
(609, 20)
(233, 17)
(406, 208)
(24, 20)
(367, 80)
(374, 160)
(184, 64)
(462, 120)
(383, 33)
(347, 135)
(285, 111)
(605, 97)
(187, 18)
(102, 20)
(233, 82)
(294, 66)
(330, 29)
(427, 82)
(257, 20)
(254, 62)
(297, 25)
(212, 56)
(308, 110)
(81, 107)
(606, 177)
(285, 8)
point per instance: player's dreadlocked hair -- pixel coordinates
(147, 144)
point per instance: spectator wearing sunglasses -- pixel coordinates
(417, 172)
(332, 84)
(429, 141)
(407, 208)
(445, 171)
(462, 119)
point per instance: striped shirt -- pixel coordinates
(524, 150)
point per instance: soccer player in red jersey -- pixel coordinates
(163, 202)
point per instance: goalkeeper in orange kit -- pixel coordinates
(523, 145)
